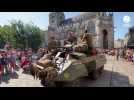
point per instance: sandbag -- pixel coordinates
(44, 69)
(45, 63)
(48, 74)
(77, 55)
(46, 56)
(42, 74)
(34, 70)
(51, 73)
(82, 48)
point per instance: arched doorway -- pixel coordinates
(105, 39)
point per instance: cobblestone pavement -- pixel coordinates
(21, 80)
(116, 74)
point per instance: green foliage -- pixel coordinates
(21, 35)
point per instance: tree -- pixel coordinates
(26, 35)
(4, 35)
(18, 32)
(21, 35)
(34, 36)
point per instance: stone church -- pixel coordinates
(99, 24)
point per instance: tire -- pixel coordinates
(45, 84)
(59, 84)
(94, 74)
(52, 84)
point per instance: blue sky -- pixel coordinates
(41, 19)
(121, 27)
(38, 18)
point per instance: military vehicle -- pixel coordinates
(69, 64)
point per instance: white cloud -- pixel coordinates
(126, 19)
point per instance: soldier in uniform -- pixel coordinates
(71, 38)
(52, 43)
(84, 44)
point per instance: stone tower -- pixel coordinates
(105, 30)
(55, 18)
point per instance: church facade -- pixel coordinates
(99, 24)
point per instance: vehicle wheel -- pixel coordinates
(52, 84)
(47, 84)
(43, 82)
(59, 84)
(94, 75)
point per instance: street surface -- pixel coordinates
(116, 74)
(21, 80)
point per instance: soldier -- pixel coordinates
(117, 54)
(84, 44)
(72, 38)
(52, 43)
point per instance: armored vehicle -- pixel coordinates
(69, 63)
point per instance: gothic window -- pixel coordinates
(91, 27)
(52, 21)
(52, 17)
